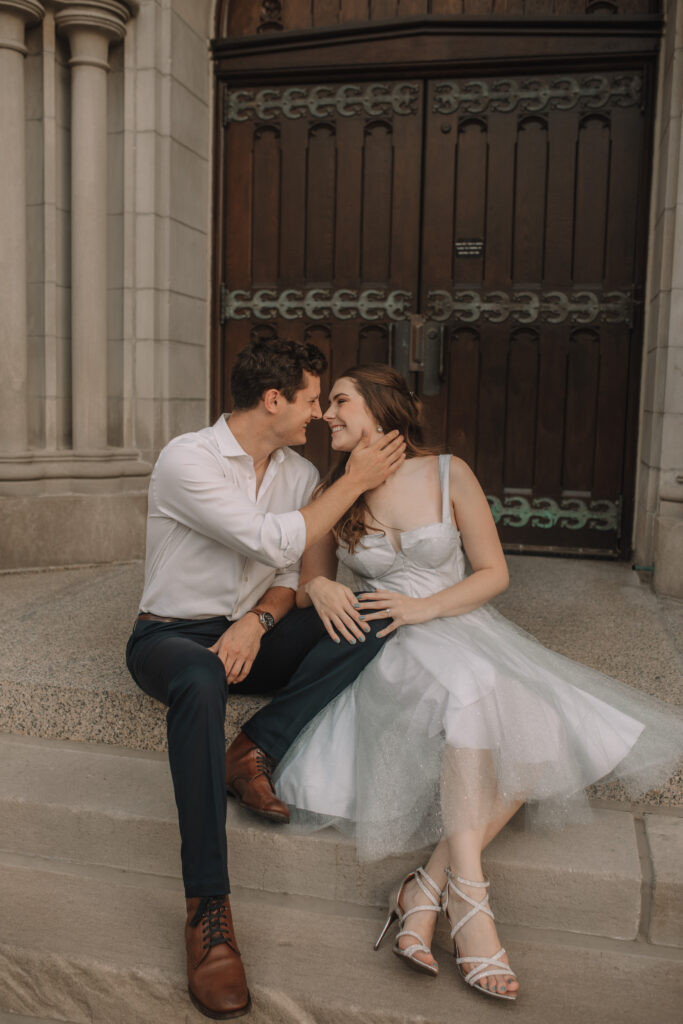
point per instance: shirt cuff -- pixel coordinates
(287, 578)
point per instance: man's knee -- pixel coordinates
(202, 684)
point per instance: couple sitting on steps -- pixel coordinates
(405, 712)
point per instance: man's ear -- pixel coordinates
(271, 399)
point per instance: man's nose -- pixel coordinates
(317, 411)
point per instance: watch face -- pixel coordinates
(267, 620)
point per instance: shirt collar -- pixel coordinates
(229, 446)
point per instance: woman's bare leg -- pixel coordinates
(469, 794)
(474, 813)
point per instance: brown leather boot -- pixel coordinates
(248, 771)
(216, 980)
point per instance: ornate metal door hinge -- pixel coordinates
(314, 304)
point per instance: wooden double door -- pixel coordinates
(486, 236)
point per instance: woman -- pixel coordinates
(461, 717)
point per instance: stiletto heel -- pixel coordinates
(389, 921)
(434, 895)
(486, 966)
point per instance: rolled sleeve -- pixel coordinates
(190, 487)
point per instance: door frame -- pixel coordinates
(438, 46)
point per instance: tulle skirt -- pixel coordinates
(459, 716)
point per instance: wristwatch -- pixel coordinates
(265, 618)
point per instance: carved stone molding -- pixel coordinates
(106, 17)
(590, 92)
(579, 306)
(315, 304)
(544, 513)
(12, 32)
(376, 99)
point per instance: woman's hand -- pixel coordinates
(401, 609)
(337, 606)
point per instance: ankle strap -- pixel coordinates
(435, 893)
(465, 881)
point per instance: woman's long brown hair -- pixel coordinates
(386, 395)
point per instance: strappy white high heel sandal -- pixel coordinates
(485, 966)
(434, 895)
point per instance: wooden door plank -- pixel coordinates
(502, 137)
(317, 447)
(438, 201)
(293, 202)
(475, 7)
(491, 411)
(406, 8)
(552, 385)
(238, 205)
(611, 411)
(462, 382)
(582, 392)
(406, 201)
(530, 193)
(592, 177)
(470, 199)
(373, 344)
(354, 10)
(349, 201)
(377, 195)
(325, 12)
(447, 6)
(266, 206)
(382, 9)
(320, 202)
(623, 208)
(297, 14)
(243, 19)
(511, 7)
(559, 213)
(520, 409)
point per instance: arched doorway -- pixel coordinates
(466, 198)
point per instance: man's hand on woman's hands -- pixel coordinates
(337, 607)
(388, 604)
(238, 647)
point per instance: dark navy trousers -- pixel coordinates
(170, 661)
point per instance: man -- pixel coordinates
(230, 514)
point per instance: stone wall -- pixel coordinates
(659, 494)
(96, 379)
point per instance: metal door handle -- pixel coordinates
(417, 347)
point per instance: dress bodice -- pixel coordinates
(429, 558)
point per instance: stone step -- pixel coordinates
(114, 809)
(97, 946)
(63, 672)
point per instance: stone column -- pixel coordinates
(14, 16)
(90, 27)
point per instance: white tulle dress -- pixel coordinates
(458, 713)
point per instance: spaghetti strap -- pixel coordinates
(444, 474)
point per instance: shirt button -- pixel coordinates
(245, 579)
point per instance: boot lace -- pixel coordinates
(212, 912)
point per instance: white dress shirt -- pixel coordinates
(215, 545)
